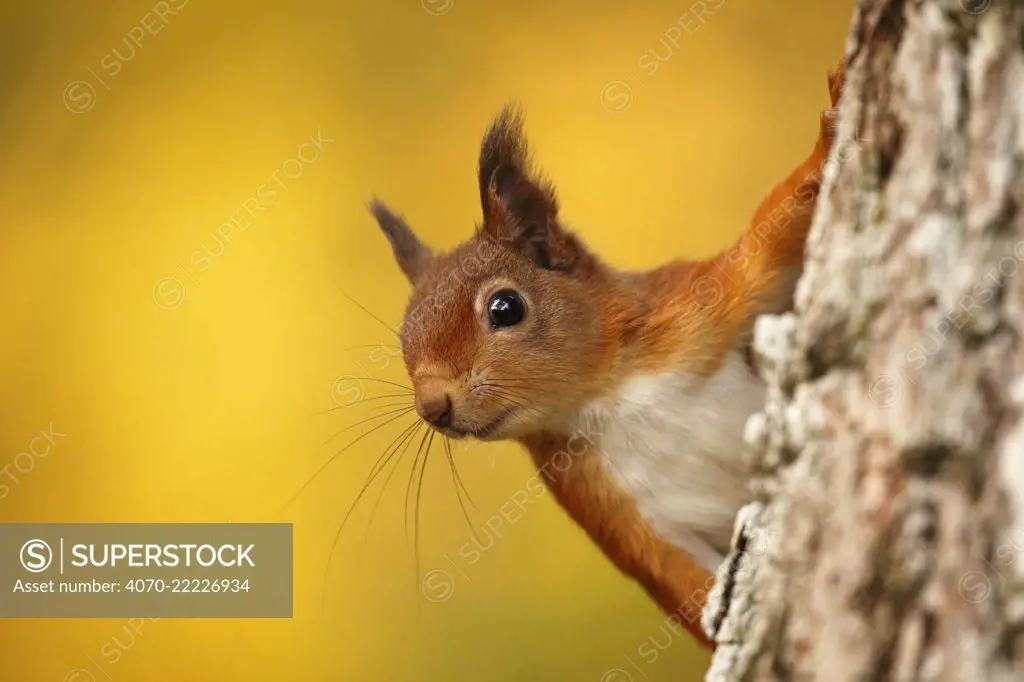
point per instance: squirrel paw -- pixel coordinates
(830, 117)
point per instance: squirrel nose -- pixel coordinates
(436, 409)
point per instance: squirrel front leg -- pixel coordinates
(773, 246)
(576, 473)
(720, 297)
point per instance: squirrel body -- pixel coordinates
(630, 390)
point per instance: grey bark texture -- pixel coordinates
(887, 542)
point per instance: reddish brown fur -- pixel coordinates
(592, 499)
(588, 329)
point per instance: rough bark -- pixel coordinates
(888, 539)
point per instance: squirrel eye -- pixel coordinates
(505, 309)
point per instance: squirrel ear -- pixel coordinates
(519, 210)
(412, 255)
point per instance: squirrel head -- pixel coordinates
(506, 332)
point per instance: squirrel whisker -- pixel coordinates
(367, 311)
(412, 476)
(334, 457)
(458, 481)
(407, 437)
(389, 383)
(375, 471)
(395, 410)
(419, 496)
(360, 402)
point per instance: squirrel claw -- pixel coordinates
(836, 80)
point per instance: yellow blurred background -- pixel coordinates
(191, 376)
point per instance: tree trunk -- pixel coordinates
(888, 542)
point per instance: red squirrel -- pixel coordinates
(642, 381)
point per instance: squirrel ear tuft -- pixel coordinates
(504, 156)
(519, 209)
(503, 145)
(412, 255)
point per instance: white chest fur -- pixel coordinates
(674, 442)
